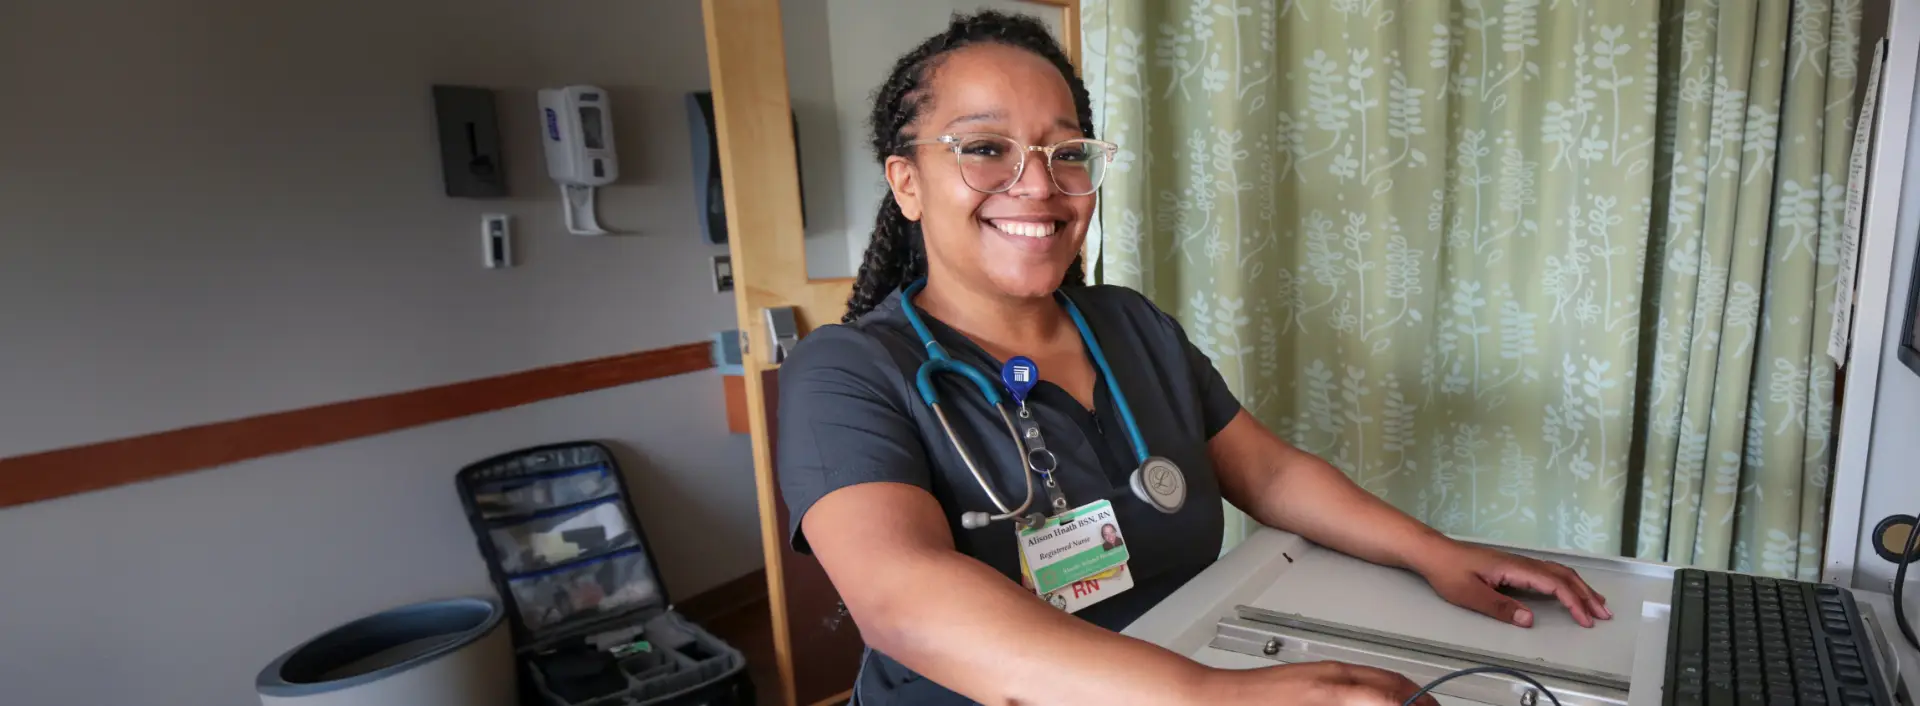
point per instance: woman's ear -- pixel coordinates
(904, 180)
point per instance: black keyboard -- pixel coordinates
(1738, 640)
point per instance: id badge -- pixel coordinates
(1076, 558)
(1087, 591)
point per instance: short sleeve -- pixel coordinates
(842, 422)
(1218, 405)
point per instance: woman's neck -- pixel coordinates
(994, 320)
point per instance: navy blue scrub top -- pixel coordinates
(849, 414)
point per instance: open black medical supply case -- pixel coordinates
(592, 625)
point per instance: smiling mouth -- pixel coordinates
(1028, 229)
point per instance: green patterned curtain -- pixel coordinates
(1557, 273)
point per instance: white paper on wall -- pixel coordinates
(1843, 298)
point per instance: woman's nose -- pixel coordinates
(1034, 182)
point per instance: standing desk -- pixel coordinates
(1277, 598)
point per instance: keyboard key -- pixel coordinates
(1850, 675)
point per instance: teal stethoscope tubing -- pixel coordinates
(940, 362)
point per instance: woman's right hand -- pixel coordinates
(1324, 683)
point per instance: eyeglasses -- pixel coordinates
(993, 163)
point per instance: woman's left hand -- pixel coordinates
(1470, 576)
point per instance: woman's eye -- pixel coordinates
(1073, 155)
(982, 149)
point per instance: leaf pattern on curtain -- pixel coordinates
(1556, 273)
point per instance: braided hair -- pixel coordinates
(897, 255)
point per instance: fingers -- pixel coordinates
(1539, 577)
(1345, 684)
(1379, 685)
(1483, 599)
(1595, 603)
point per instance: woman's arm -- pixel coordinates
(1286, 488)
(964, 625)
(958, 622)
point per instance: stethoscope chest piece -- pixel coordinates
(1159, 482)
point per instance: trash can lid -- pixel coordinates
(379, 646)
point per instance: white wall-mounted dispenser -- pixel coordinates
(577, 123)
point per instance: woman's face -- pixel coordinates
(1109, 533)
(1018, 242)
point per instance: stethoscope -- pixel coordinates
(1156, 480)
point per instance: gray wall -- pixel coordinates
(177, 592)
(213, 209)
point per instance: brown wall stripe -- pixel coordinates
(80, 469)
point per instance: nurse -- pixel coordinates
(983, 133)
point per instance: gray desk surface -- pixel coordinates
(1281, 572)
(1330, 586)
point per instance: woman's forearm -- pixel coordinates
(962, 624)
(1309, 497)
(1286, 488)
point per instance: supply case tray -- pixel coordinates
(591, 620)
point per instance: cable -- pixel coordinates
(1900, 584)
(1480, 670)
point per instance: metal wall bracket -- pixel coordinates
(783, 331)
(1285, 638)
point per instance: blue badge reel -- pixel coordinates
(1020, 375)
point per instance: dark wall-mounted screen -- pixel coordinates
(1909, 333)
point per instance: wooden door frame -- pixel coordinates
(746, 62)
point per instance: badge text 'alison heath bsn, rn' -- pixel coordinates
(1064, 529)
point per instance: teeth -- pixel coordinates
(1031, 229)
